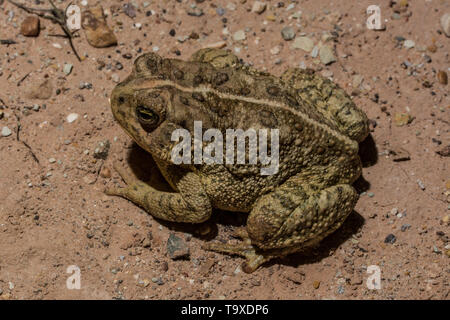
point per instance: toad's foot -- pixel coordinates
(244, 249)
(127, 177)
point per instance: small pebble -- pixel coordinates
(239, 35)
(408, 44)
(195, 12)
(445, 24)
(442, 77)
(421, 185)
(316, 284)
(72, 117)
(390, 238)
(6, 132)
(67, 69)
(220, 11)
(315, 52)
(115, 78)
(288, 33)
(259, 7)
(304, 43)
(405, 227)
(30, 26)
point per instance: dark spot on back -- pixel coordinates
(184, 100)
(220, 78)
(245, 91)
(198, 79)
(178, 74)
(198, 96)
(273, 90)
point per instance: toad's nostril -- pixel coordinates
(121, 99)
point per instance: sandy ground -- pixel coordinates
(54, 214)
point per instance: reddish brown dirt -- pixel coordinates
(53, 215)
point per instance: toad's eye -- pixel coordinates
(147, 116)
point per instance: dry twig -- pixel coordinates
(55, 15)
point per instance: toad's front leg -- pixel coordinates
(190, 204)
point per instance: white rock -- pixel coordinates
(408, 44)
(445, 24)
(115, 78)
(231, 6)
(259, 7)
(239, 35)
(6, 132)
(72, 117)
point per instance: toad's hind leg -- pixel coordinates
(329, 99)
(291, 219)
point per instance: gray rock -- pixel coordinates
(304, 43)
(390, 238)
(220, 11)
(326, 55)
(288, 33)
(129, 10)
(177, 248)
(405, 227)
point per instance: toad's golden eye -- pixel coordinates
(147, 116)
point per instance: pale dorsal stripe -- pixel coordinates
(205, 89)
